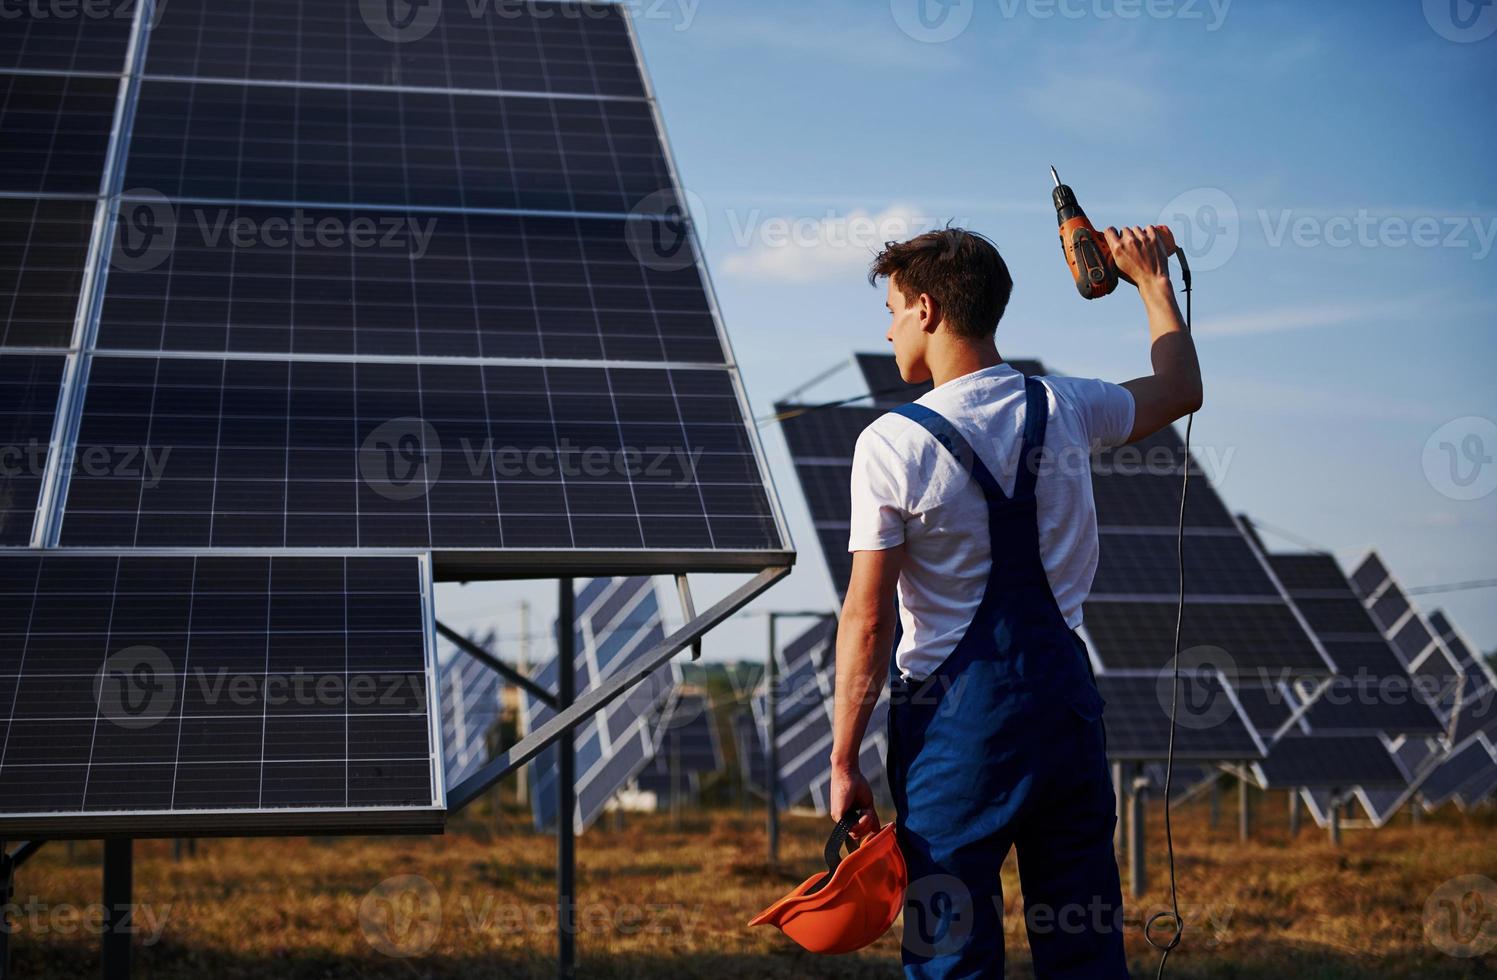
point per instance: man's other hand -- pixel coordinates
(850, 791)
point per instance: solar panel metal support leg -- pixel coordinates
(1216, 801)
(7, 890)
(1121, 806)
(1244, 809)
(119, 872)
(1335, 820)
(566, 786)
(1138, 874)
(610, 689)
(1293, 811)
(771, 749)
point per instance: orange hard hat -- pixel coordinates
(853, 903)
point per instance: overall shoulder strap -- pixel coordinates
(1031, 455)
(947, 435)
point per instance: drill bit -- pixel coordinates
(1055, 176)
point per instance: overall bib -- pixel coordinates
(1003, 745)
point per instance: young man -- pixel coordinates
(975, 505)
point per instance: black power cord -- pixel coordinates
(1177, 929)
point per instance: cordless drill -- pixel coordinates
(1086, 251)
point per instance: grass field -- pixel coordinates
(664, 902)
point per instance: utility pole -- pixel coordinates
(1138, 874)
(771, 749)
(566, 786)
(1244, 809)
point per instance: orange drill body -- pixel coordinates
(1086, 249)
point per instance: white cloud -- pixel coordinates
(817, 249)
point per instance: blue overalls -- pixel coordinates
(1002, 745)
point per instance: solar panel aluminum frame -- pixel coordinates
(90, 298)
(281, 821)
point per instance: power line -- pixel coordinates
(1480, 583)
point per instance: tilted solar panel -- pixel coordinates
(618, 621)
(1212, 726)
(1464, 765)
(469, 693)
(82, 38)
(148, 694)
(1332, 762)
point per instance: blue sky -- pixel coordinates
(1329, 165)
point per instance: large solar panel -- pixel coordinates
(1466, 764)
(375, 277)
(618, 621)
(1479, 690)
(149, 693)
(1138, 720)
(84, 37)
(29, 389)
(469, 692)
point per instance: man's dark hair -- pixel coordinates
(960, 269)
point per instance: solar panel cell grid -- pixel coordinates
(535, 46)
(319, 281)
(43, 251)
(406, 149)
(1146, 565)
(271, 453)
(1137, 719)
(81, 37)
(1341, 761)
(1255, 636)
(29, 387)
(150, 684)
(56, 130)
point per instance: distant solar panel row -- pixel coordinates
(469, 694)
(222, 693)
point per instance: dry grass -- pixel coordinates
(660, 902)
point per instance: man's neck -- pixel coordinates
(959, 360)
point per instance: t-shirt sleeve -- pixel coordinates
(1105, 409)
(880, 488)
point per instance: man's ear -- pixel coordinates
(930, 313)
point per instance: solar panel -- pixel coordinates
(1137, 716)
(565, 47)
(158, 693)
(469, 692)
(86, 37)
(618, 621)
(1464, 765)
(1481, 681)
(1429, 661)
(1375, 692)
(344, 258)
(29, 388)
(686, 748)
(1330, 761)
(748, 742)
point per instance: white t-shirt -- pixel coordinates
(908, 489)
